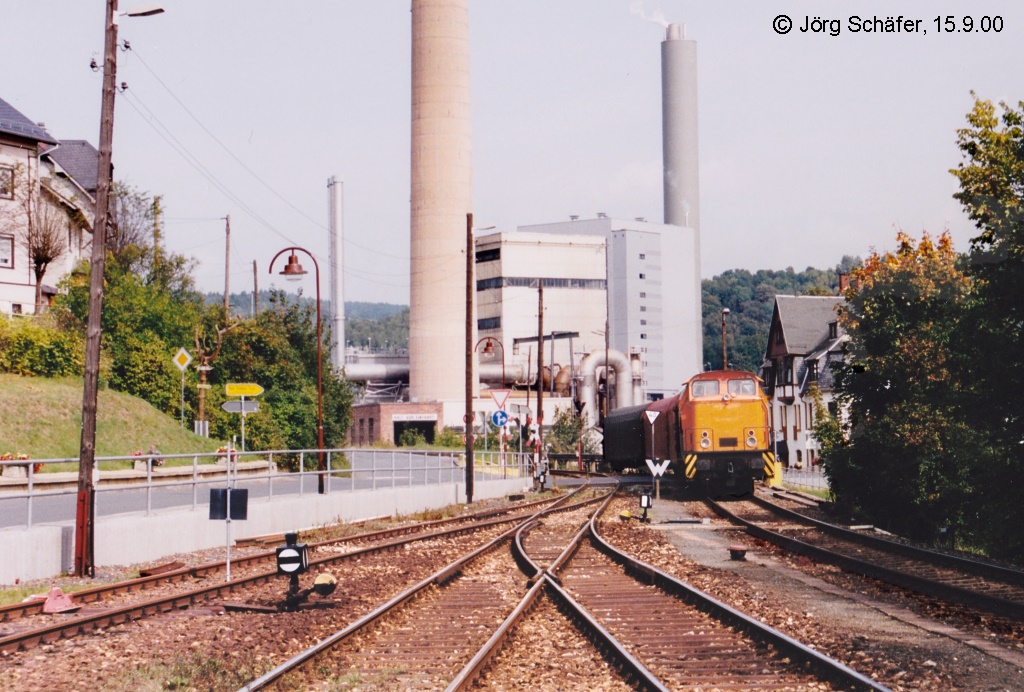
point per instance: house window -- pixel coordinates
(643, 336)
(643, 276)
(787, 371)
(6, 183)
(643, 323)
(812, 371)
(833, 409)
(643, 294)
(643, 256)
(15, 308)
(370, 428)
(489, 323)
(488, 255)
(7, 251)
(833, 330)
(643, 308)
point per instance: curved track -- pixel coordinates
(980, 585)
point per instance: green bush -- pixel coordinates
(33, 346)
(412, 438)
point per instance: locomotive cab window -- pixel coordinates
(745, 387)
(705, 388)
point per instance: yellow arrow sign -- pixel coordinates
(242, 389)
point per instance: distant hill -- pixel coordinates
(42, 417)
(241, 304)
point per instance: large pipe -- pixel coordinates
(382, 372)
(679, 129)
(441, 196)
(623, 381)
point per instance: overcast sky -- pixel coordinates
(812, 146)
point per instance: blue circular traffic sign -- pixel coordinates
(499, 418)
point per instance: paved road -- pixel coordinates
(370, 469)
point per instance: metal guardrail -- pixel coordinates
(347, 470)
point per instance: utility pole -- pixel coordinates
(255, 290)
(85, 511)
(540, 369)
(469, 417)
(227, 265)
(725, 359)
(157, 234)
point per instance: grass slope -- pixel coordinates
(42, 417)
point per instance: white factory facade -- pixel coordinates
(653, 283)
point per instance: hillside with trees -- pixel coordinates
(750, 297)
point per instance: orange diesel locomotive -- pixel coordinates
(715, 433)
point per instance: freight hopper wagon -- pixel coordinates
(715, 433)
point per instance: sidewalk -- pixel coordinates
(68, 480)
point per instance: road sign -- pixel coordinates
(182, 358)
(499, 418)
(242, 389)
(500, 396)
(241, 406)
(204, 386)
(658, 470)
(652, 415)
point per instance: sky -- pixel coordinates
(812, 145)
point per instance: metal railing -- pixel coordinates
(154, 483)
(809, 477)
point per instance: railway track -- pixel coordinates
(656, 631)
(20, 628)
(990, 588)
(243, 563)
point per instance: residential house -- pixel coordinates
(43, 183)
(804, 340)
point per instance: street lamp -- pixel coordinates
(293, 271)
(725, 361)
(489, 351)
(97, 263)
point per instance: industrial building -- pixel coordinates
(653, 294)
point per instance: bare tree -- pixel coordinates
(131, 224)
(46, 239)
(40, 221)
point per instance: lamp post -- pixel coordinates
(87, 450)
(725, 361)
(489, 351)
(293, 271)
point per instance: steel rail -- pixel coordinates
(28, 638)
(440, 577)
(819, 663)
(98, 593)
(929, 587)
(971, 566)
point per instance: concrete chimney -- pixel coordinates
(336, 259)
(679, 128)
(441, 196)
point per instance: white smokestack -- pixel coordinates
(336, 260)
(679, 128)
(441, 196)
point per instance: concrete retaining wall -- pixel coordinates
(44, 551)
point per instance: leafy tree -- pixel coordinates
(564, 434)
(277, 350)
(906, 460)
(991, 177)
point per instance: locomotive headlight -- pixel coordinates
(751, 439)
(705, 442)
